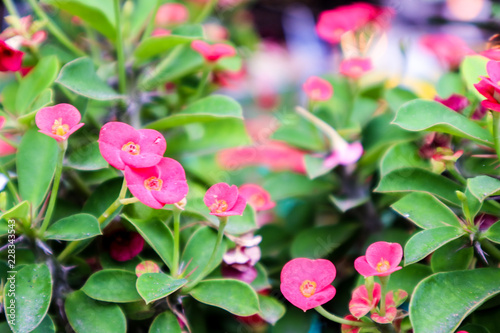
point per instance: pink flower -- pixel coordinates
(306, 283)
(58, 121)
(215, 32)
(125, 245)
(455, 102)
(344, 328)
(10, 59)
(392, 301)
(147, 266)
(122, 145)
(214, 52)
(355, 67)
(381, 259)
(449, 49)
(318, 89)
(489, 87)
(224, 200)
(493, 54)
(6, 148)
(171, 14)
(361, 303)
(344, 155)
(256, 197)
(158, 185)
(239, 262)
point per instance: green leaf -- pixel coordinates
(103, 196)
(319, 242)
(493, 233)
(36, 164)
(20, 212)
(294, 130)
(282, 185)
(112, 285)
(87, 158)
(37, 80)
(74, 227)
(154, 286)
(87, 315)
(408, 277)
(419, 180)
(423, 115)
(9, 95)
(33, 292)
(478, 189)
(228, 295)
(165, 322)
(344, 204)
(157, 235)
(402, 155)
(471, 68)
(44, 99)
(315, 166)
(425, 211)
(398, 96)
(453, 256)
(271, 310)
(98, 14)
(80, 77)
(46, 326)
(262, 280)
(449, 84)
(451, 296)
(427, 241)
(196, 253)
(108, 263)
(207, 109)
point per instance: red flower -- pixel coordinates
(170, 14)
(344, 328)
(449, 49)
(122, 145)
(306, 283)
(147, 266)
(224, 200)
(10, 59)
(125, 245)
(156, 186)
(214, 52)
(58, 121)
(318, 89)
(355, 67)
(361, 303)
(381, 259)
(344, 155)
(256, 197)
(489, 87)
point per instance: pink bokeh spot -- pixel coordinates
(449, 49)
(257, 197)
(214, 52)
(489, 86)
(10, 58)
(306, 283)
(170, 14)
(360, 303)
(156, 186)
(58, 121)
(355, 67)
(344, 155)
(224, 200)
(381, 259)
(122, 145)
(318, 89)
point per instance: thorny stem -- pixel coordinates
(340, 320)
(491, 249)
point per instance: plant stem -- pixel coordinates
(496, 132)
(55, 186)
(491, 249)
(154, 79)
(335, 139)
(340, 320)
(454, 172)
(55, 30)
(177, 221)
(120, 54)
(384, 280)
(150, 26)
(11, 8)
(203, 82)
(206, 270)
(207, 9)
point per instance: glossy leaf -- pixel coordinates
(450, 83)
(44, 99)
(33, 292)
(87, 315)
(471, 68)
(74, 227)
(103, 196)
(112, 285)
(36, 164)
(80, 77)
(87, 158)
(454, 256)
(425, 211)
(46, 326)
(427, 241)
(271, 310)
(282, 185)
(228, 295)
(20, 212)
(408, 277)
(493, 233)
(165, 322)
(315, 166)
(402, 155)
(154, 286)
(398, 96)
(423, 115)
(478, 189)
(157, 235)
(451, 296)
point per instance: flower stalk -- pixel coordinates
(337, 319)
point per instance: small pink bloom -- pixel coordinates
(361, 303)
(455, 102)
(348, 328)
(58, 121)
(10, 59)
(381, 259)
(449, 49)
(158, 32)
(214, 52)
(122, 145)
(355, 67)
(390, 311)
(489, 86)
(147, 266)
(215, 32)
(171, 14)
(125, 245)
(344, 155)
(36, 39)
(306, 283)
(156, 186)
(256, 197)
(318, 89)
(5, 148)
(224, 200)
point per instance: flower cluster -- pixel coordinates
(489, 86)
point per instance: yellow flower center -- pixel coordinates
(383, 266)
(308, 288)
(153, 184)
(219, 206)
(132, 148)
(59, 128)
